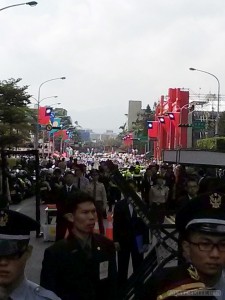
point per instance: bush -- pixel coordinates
(215, 144)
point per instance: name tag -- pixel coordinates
(103, 270)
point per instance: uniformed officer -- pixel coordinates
(177, 283)
(14, 252)
(201, 224)
(83, 266)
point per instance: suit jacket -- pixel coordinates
(146, 185)
(127, 228)
(182, 201)
(67, 271)
(83, 183)
(62, 200)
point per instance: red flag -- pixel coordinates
(62, 134)
(42, 118)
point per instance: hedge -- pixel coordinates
(215, 144)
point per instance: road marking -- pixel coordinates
(18, 209)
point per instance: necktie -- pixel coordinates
(78, 185)
(69, 189)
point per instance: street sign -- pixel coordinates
(199, 125)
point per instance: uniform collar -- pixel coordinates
(220, 285)
(20, 292)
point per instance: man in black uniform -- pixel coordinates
(83, 266)
(131, 237)
(201, 224)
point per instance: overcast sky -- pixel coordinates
(112, 51)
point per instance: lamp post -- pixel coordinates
(218, 97)
(44, 99)
(31, 3)
(186, 106)
(38, 106)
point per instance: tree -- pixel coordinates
(140, 127)
(15, 116)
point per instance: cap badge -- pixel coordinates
(215, 200)
(3, 219)
(193, 272)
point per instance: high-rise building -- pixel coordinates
(134, 109)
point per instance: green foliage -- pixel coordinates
(140, 127)
(148, 109)
(15, 116)
(215, 143)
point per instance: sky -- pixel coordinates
(112, 51)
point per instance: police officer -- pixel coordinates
(178, 283)
(201, 225)
(14, 252)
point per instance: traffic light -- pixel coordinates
(185, 125)
(150, 125)
(48, 111)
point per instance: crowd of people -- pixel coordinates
(84, 265)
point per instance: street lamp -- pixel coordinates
(38, 106)
(218, 97)
(44, 98)
(185, 106)
(50, 105)
(31, 3)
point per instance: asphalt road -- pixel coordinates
(33, 267)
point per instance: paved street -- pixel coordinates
(34, 264)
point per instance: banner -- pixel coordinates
(42, 118)
(56, 123)
(61, 134)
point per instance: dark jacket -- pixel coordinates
(127, 228)
(63, 198)
(67, 271)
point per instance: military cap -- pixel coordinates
(15, 231)
(183, 281)
(205, 213)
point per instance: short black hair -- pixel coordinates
(57, 171)
(76, 198)
(191, 179)
(94, 171)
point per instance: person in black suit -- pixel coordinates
(148, 181)
(83, 266)
(131, 236)
(63, 197)
(191, 191)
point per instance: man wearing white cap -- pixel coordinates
(14, 252)
(201, 225)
